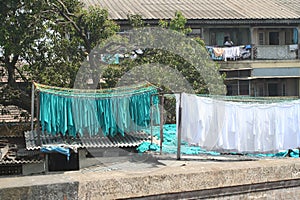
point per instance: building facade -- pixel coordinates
(264, 57)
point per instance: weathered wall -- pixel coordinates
(263, 179)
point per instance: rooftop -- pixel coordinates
(202, 9)
(128, 140)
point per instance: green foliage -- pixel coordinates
(47, 41)
(187, 64)
(135, 21)
(178, 23)
(97, 25)
(164, 57)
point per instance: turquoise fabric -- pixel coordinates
(169, 146)
(77, 114)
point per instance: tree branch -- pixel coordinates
(64, 12)
(22, 76)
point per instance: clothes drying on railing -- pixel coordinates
(243, 127)
(107, 112)
(232, 53)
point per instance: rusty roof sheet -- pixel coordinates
(129, 140)
(201, 9)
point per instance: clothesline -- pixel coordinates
(250, 99)
(92, 92)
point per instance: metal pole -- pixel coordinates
(38, 130)
(179, 130)
(151, 120)
(32, 105)
(161, 121)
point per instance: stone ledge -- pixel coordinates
(174, 177)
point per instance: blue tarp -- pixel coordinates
(170, 146)
(57, 149)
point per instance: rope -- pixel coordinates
(244, 99)
(99, 93)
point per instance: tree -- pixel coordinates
(75, 31)
(20, 27)
(199, 80)
(192, 75)
(47, 41)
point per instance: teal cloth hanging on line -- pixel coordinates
(82, 114)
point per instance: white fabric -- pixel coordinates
(231, 52)
(243, 127)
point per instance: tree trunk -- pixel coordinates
(11, 66)
(11, 74)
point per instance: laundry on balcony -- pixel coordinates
(229, 53)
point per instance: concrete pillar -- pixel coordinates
(202, 33)
(252, 41)
(250, 92)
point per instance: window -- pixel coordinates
(259, 90)
(196, 32)
(274, 38)
(213, 39)
(243, 87)
(261, 38)
(273, 89)
(288, 37)
(283, 90)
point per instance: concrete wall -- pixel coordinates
(275, 52)
(65, 191)
(261, 179)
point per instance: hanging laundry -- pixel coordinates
(231, 53)
(107, 112)
(218, 52)
(242, 127)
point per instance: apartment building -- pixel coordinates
(264, 57)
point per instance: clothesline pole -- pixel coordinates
(151, 120)
(179, 129)
(32, 105)
(38, 129)
(161, 121)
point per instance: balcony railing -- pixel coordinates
(275, 52)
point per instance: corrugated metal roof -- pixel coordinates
(13, 114)
(201, 9)
(129, 140)
(15, 162)
(12, 154)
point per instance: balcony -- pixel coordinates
(275, 52)
(260, 52)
